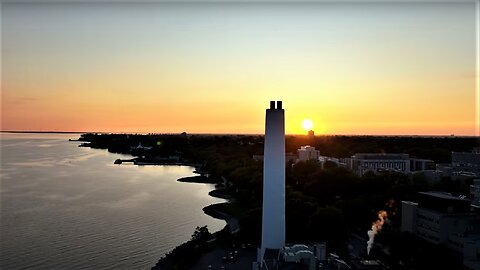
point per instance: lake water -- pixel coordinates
(70, 207)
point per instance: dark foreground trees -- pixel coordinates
(322, 204)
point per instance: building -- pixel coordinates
(376, 162)
(466, 159)
(311, 135)
(409, 216)
(298, 255)
(308, 153)
(475, 192)
(323, 159)
(273, 211)
(140, 147)
(367, 265)
(441, 218)
(417, 164)
(466, 163)
(471, 253)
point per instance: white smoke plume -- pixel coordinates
(376, 228)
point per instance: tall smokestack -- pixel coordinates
(273, 219)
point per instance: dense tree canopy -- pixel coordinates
(322, 204)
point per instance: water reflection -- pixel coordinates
(68, 207)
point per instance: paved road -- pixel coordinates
(214, 258)
(231, 221)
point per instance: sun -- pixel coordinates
(307, 124)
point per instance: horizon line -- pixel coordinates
(230, 134)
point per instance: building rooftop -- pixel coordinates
(409, 202)
(306, 147)
(367, 265)
(381, 156)
(443, 202)
(443, 195)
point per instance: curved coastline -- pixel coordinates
(191, 250)
(216, 210)
(197, 179)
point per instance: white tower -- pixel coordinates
(273, 219)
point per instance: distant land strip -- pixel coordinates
(240, 134)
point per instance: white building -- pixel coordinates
(409, 216)
(363, 162)
(273, 211)
(441, 218)
(308, 153)
(475, 192)
(418, 164)
(324, 159)
(140, 147)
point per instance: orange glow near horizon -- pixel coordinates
(190, 68)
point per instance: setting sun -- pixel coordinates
(307, 124)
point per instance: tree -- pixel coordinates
(201, 234)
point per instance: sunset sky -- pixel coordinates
(364, 68)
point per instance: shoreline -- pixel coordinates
(215, 210)
(199, 179)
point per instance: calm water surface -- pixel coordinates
(69, 207)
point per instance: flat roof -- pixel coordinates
(442, 195)
(409, 202)
(381, 156)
